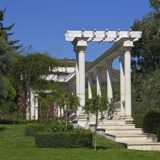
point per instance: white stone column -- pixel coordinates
(98, 81)
(32, 105)
(80, 47)
(109, 81)
(77, 74)
(122, 85)
(127, 59)
(82, 77)
(36, 107)
(90, 86)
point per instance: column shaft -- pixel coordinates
(127, 57)
(82, 77)
(90, 85)
(77, 74)
(36, 107)
(109, 81)
(122, 86)
(98, 80)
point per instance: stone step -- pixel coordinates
(145, 146)
(113, 122)
(125, 131)
(128, 135)
(109, 127)
(133, 138)
(140, 142)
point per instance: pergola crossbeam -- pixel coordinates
(98, 36)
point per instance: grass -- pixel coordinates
(15, 146)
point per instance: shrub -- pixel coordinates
(2, 128)
(7, 121)
(151, 122)
(26, 121)
(33, 129)
(64, 140)
(56, 124)
(10, 121)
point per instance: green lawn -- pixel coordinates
(15, 146)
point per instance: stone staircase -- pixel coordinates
(126, 134)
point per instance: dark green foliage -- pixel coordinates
(32, 66)
(145, 95)
(33, 129)
(151, 91)
(4, 121)
(10, 121)
(8, 59)
(151, 122)
(26, 122)
(7, 95)
(155, 4)
(2, 128)
(147, 49)
(64, 140)
(5, 31)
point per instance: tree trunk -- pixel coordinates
(95, 132)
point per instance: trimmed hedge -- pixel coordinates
(64, 140)
(2, 128)
(33, 129)
(9, 121)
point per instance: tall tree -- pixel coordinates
(155, 4)
(8, 59)
(146, 53)
(5, 32)
(145, 61)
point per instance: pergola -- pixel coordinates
(59, 75)
(123, 44)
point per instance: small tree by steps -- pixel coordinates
(96, 105)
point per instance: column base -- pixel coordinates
(128, 119)
(122, 118)
(82, 121)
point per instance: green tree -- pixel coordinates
(151, 90)
(8, 59)
(96, 105)
(146, 55)
(155, 4)
(145, 60)
(5, 32)
(33, 66)
(31, 71)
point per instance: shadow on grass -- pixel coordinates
(102, 147)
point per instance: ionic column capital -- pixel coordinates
(127, 46)
(80, 44)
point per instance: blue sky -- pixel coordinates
(43, 23)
